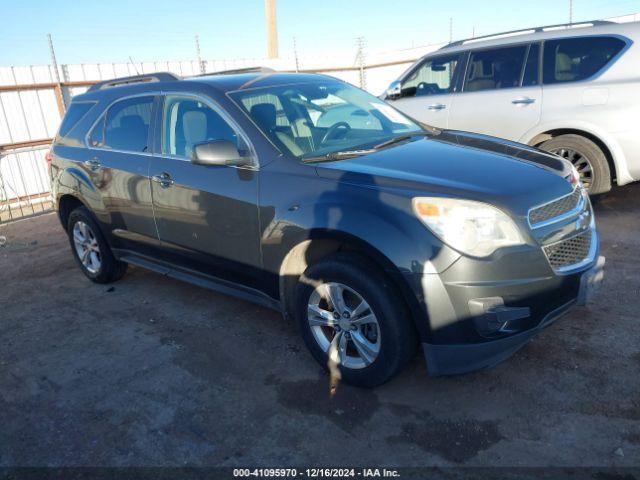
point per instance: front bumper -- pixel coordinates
(459, 340)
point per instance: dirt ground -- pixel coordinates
(154, 372)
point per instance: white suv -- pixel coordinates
(573, 90)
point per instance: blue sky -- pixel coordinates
(111, 31)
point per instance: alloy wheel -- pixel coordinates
(344, 325)
(580, 162)
(87, 247)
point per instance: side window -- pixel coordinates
(125, 126)
(75, 113)
(434, 76)
(188, 121)
(532, 68)
(572, 59)
(495, 69)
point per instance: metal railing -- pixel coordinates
(25, 187)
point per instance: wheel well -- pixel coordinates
(66, 205)
(311, 251)
(543, 137)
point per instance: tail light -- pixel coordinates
(48, 157)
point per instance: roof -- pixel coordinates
(227, 83)
(223, 83)
(630, 29)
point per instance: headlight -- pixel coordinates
(474, 228)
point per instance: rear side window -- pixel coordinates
(573, 59)
(75, 113)
(125, 126)
(434, 76)
(495, 69)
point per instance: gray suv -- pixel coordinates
(376, 233)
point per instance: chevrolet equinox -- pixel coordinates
(376, 233)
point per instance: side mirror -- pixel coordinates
(394, 90)
(217, 152)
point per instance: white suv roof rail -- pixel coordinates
(524, 31)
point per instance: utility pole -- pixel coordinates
(450, 29)
(360, 60)
(295, 55)
(58, 88)
(272, 28)
(201, 65)
(570, 12)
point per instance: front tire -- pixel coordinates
(587, 157)
(90, 249)
(354, 321)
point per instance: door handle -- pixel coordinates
(523, 101)
(93, 164)
(164, 179)
(436, 106)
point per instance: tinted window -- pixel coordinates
(433, 77)
(74, 114)
(188, 121)
(495, 69)
(572, 59)
(126, 126)
(531, 69)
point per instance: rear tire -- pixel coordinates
(587, 157)
(90, 249)
(379, 337)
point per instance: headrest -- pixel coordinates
(194, 126)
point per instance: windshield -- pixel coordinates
(323, 118)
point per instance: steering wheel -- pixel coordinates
(333, 129)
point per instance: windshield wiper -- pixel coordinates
(398, 139)
(342, 155)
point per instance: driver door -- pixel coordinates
(207, 216)
(427, 91)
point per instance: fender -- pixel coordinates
(619, 160)
(75, 182)
(332, 219)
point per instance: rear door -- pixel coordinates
(118, 165)
(501, 95)
(428, 90)
(207, 216)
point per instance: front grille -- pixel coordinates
(570, 251)
(556, 208)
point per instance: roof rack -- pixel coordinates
(118, 82)
(239, 70)
(523, 31)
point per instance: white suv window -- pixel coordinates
(573, 59)
(495, 69)
(435, 76)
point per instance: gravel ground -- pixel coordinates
(154, 372)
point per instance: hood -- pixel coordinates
(460, 164)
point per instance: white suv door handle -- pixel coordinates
(523, 101)
(436, 106)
